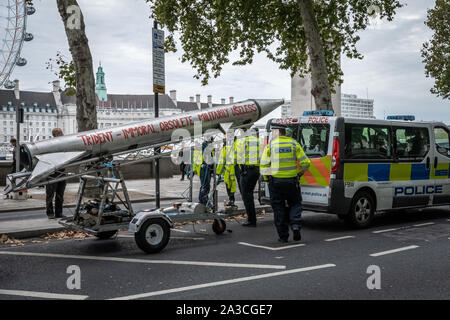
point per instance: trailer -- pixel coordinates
(105, 216)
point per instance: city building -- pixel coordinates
(302, 99)
(286, 110)
(354, 107)
(40, 115)
(351, 107)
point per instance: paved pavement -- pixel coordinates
(409, 252)
(27, 218)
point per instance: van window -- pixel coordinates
(367, 142)
(313, 138)
(412, 143)
(442, 140)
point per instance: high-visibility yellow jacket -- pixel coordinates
(247, 150)
(225, 167)
(197, 161)
(283, 158)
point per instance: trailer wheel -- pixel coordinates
(106, 234)
(219, 226)
(153, 236)
(362, 210)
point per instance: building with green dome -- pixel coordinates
(100, 86)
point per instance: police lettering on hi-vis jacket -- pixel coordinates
(282, 163)
(247, 158)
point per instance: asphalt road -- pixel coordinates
(410, 249)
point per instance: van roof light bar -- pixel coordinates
(326, 113)
(401, 117)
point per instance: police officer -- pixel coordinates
(204, 171)
(225, 168)
(282, 163)
(55, 191)
(247, 157)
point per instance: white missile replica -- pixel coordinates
(45, 161)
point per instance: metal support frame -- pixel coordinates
(111, 182)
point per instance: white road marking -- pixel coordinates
(184, 238)
(387, 230)
(45, 295)
(114, 259)
(393, 251)
(340, 238)
(270, 248)
(219, 283)
(179, 230)
(423, 224)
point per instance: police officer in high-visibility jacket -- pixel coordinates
(247, 158)
(204, 171)
(225, 168)
(282, 163)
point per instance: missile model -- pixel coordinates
(44, 159)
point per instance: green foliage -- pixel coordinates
(436, 52)
(210, 30)
(64, 71)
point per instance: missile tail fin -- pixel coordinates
(50, 163)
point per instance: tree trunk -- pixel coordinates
(84, 74)
(320, 87)
(82, 58)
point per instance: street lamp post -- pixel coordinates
(19, 120)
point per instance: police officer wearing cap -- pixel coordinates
(247, 158)
(282, 164)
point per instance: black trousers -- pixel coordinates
(230, 194)
(182, 170)
(237, 174)
(249, 176)
(286, 202)
(55, 190)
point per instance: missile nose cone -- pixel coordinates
(268, 105)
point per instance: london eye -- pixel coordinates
(13, 34)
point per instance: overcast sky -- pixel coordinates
(119, 33)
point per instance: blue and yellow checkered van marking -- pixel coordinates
(392, 172)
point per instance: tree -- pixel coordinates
(290, 32)
(64, 71)
(74, 26)
(436, 52)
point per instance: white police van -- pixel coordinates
(360, 166)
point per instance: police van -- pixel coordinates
(360, 166)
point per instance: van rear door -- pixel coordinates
(315, 135)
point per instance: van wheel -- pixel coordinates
(153, 236)
(362, 210)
